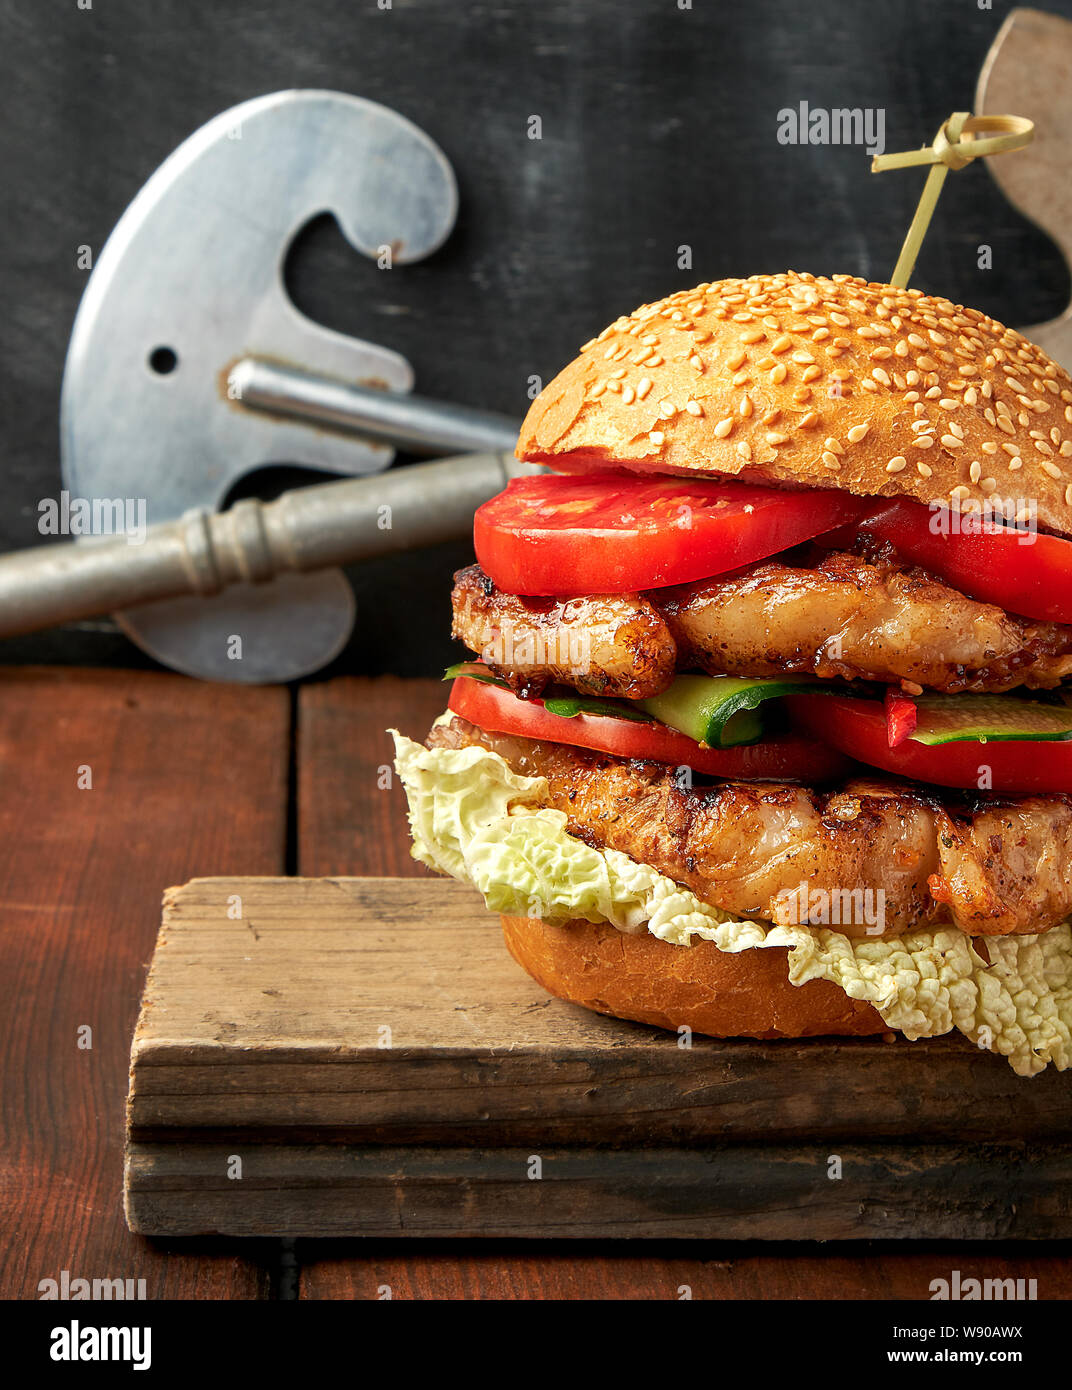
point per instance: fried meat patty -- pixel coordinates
(614, 645)
(992, 866)
(846, 617)
(850, 618)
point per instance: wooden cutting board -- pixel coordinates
(360, 1056)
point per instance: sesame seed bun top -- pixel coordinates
(815, 382)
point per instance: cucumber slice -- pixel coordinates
(569, 705)
(722, 711)
(989, 718)
(475, 671)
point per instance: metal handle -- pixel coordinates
(310, 528)
(413, 423)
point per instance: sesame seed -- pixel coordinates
(1050, 468)
(923, 469)
(774, 439)
(694, 407)
(778, 373)
(927, 363)
(745, 406)
(643, 387)
(617, 376)
(971, 396)
(835, 446)
(896, 464)
(1068, 495)
(628, 395)
(1004, 423)
(809, 421)
(745, 450)
(1015, 463)
(975, 472)
(1043, 448)
(723, 427)
(831, 461)
(782, 343)
(736, 360)
(923, 441)
(857, 433)
(948, 404)
(754, 335)
(657, 437)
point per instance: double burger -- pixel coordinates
(768, 727)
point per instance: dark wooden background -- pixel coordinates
(659, 128)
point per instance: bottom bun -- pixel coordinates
(747, 995)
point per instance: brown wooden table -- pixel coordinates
(117, 784)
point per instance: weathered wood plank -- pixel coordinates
(388, 1011)
(768, 1192)
(185, 778)
(723, 1270)
(352, 819)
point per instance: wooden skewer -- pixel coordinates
(955, 146)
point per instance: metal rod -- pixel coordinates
(203, 552)
(412, 423)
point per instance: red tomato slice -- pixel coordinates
(605, 533)
(782, 756)
(1023, 572)
(901, 716)
(858, 728)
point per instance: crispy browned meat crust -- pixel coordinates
(845, 617)
(991, 866)
(616, 645)
(851, 618)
